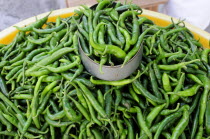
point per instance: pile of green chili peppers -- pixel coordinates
(45, 92)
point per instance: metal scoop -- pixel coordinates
(111, 73)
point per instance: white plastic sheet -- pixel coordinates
(195, 12)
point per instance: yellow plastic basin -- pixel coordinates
(7, 35)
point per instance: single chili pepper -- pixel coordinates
(98, 14)
(101, 5)
(40, 41)
(68, 76)
(166, 135)
(124, 134)
(92, 113)
(88, 130)
(100, 98)
(82, 43)
(207, 119)
(70, 40)
(157, 72)
(9, 133)
(194, 78)
(26, 125)
(180, 127)
(82, 129)
(80, 96)
(48, 60)
(114, 14)
(200, 132)
(207, 67)
(126, 35)
(92, 100)
(46, 90)
(57, 123)
(130, 129)
(195, 102)
(153, 82)
(50, 30)
(188, 92)
(135, 48)
(164, 122)
(22, 96)
(124, 15)
(85, 23)
(176, 66)
(204, 55)
(141, 20)
(56, 116)
(145, 93)
(52, 132)
(120, 126)
(35, 102)
(52, 78)
(67, 134)
(81, 109)
(135, 29)
(17, 58)
(38, 24)
(195, 123)
(3, 86)
(101, 35)
(78, 71)
(117, 99)
(70, 112)
(5, 122)
(115, 83)
(142, 123)
(133, 94)
(127, 7)
(13, 120)
(154, 113)
(3, 63)
(108, 103)
(168, 111)
(102, 62)
(30, 46)
(97, 134)
(203, 102)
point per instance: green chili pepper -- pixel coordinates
(40, 41)
(207, 115)
(180, 127)
(176, 66)
(188, 92)
(70, 112)
(38, 24)
(115, 83)
(147, 94)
